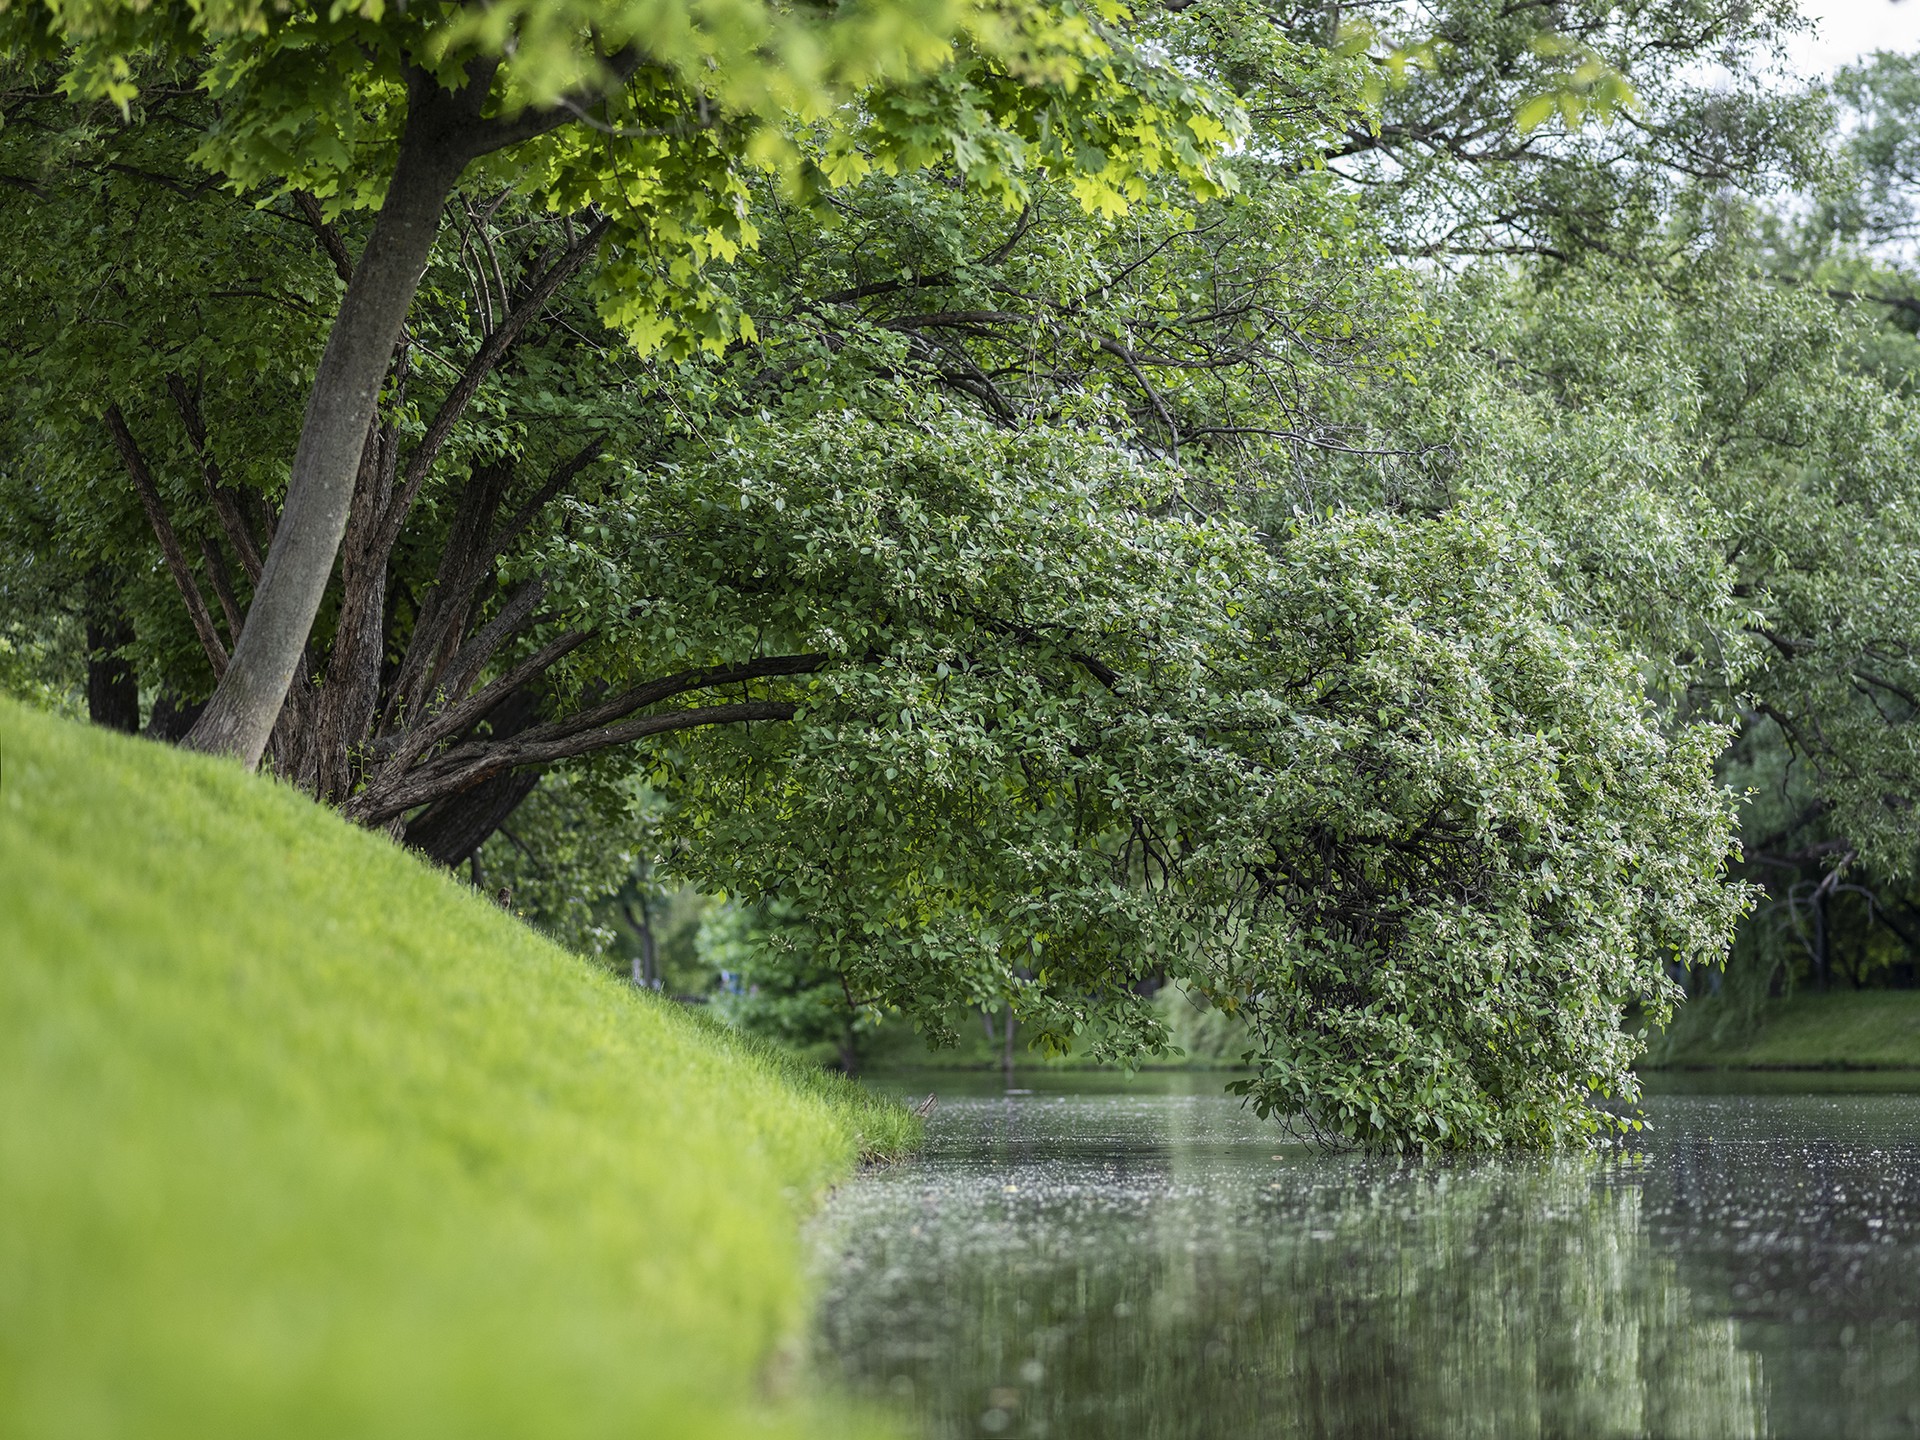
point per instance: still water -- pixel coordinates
(1111, 1260)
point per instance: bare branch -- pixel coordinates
(142, 477)
(562, 476)
(225, 508)
(476, 707)
(654, 691)
(329, 237)
(470, 765)
(222, 587)
(499, 133)
(480, 647)
(492, 350)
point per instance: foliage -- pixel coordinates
(563, 858)
(1309, 778)
(1566, 130)
(1204, 1035)
(1780, 481)
(327, 1144)
(1588, 136)
(32, 668)
(1881, 101)
(776, 986)
(656, 116)
(1718, 464)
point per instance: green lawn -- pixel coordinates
(1850, 1029)
(300, 1137)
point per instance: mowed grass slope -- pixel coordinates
(1841, 1030)
(300, 1137)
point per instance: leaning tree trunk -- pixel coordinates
(452, 830)
(434, 150)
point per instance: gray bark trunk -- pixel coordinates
(239, 719)
(345, 703)
(646, 965)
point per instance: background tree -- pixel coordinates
(1568, 129)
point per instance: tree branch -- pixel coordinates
(443, 612)
(329, 237)
(470, 765)
(225, 509)
(464, 714)
(222, 586)
(492, 350)
(481, 646)
(562, 476)
(142, 477)
(654, 691)
(498, 133)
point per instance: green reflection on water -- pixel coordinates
(1133, 1264)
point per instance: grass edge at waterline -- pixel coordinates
(299, 1136)
(1837, 1030)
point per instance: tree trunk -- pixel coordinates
(113, 695)
(340, 412)
(646, 965)
(454, 827)
(452, 830)
(172, 716)
(345, 705)
(1820, 949)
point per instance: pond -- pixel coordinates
(1091, 1257)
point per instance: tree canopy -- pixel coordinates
(646, 116)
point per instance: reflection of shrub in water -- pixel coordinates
(1494, 1302)
(1504, 1303)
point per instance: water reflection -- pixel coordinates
(1155, 1265)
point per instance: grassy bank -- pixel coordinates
(1853, 1029)
(300, 1137)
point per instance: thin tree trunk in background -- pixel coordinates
(172, 716)
(1820, 956)
(113, 694)
(340, 412)
(646, 965)
(1001, 1035)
